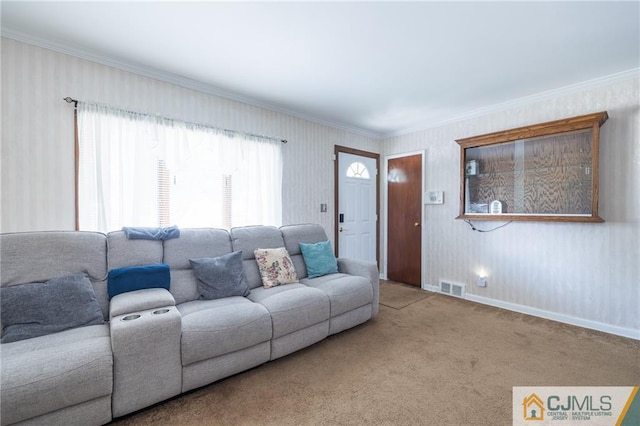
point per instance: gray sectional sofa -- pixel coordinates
(157, 343)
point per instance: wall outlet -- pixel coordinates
(482, 281)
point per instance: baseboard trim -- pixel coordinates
(429, 287)
(554, 316)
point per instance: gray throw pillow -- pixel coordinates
(220, 277)
(35, 309)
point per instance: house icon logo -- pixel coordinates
(533, 407)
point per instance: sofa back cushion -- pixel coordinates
(191, 244)
(196, 243)
(249, 238)
(39, 256)
(124, 252)
(293, 235)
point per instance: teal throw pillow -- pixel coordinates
(319, 259)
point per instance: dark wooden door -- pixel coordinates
(404, 241)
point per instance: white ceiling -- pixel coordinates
(378, 68)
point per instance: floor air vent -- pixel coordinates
(452, 289)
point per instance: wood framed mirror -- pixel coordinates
(542, 172)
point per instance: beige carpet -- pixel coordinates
(438, 361)
(398, 296)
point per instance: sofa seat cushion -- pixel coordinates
(55, 371)
(292, 306)
(211, 328)
(346, 292)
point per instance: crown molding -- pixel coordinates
(219, 92)
(519, 102)
(178, 81)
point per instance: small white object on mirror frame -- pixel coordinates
(471, 168)
(495, 207)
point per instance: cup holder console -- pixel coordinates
(156, 328)
(130, 317)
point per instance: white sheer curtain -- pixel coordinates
(140, 170)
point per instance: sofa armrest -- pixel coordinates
(147, 365)
(140, 300)
(364, 269)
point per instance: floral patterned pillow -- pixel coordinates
(275, 266)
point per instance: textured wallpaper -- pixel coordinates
(37, 135)
(587, 271)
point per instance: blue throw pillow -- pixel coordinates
(131, 278)
(220, 277)
(36, 309)
(319, 259)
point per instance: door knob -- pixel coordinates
(416, 224)
(342, 229)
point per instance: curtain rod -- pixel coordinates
(70, 100)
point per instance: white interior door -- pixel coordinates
(357, 221)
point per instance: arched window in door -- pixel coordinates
(358, 170)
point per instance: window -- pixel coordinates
(139, 170)
(357, 170)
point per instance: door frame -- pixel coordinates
(336, 193)
(385, 224)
